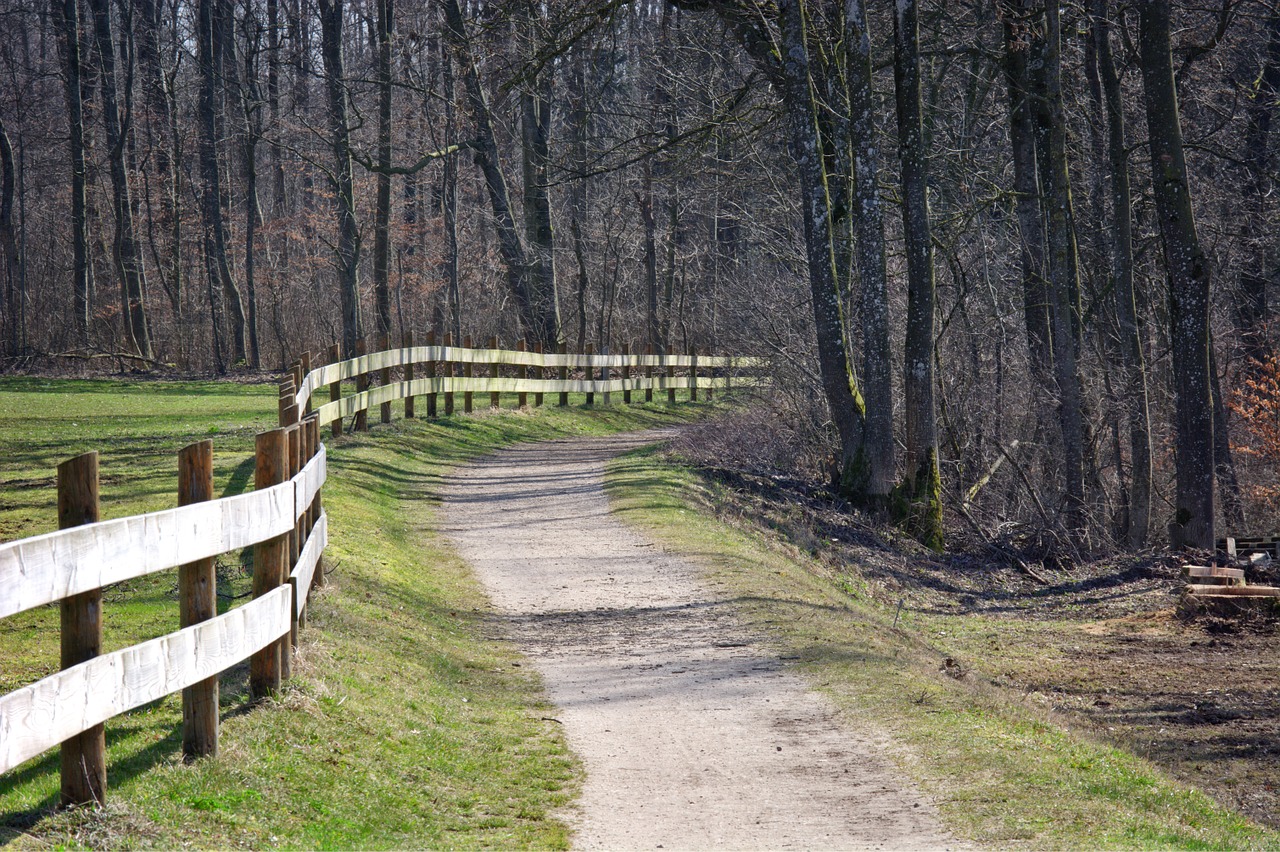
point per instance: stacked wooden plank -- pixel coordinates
(1224, 590)
(1240, 547)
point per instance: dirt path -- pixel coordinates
(692, 734)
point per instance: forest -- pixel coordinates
(1011, 260)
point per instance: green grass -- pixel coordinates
(1004, 772)
(408, 723)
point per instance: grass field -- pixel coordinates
(407, 724)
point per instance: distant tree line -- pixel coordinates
(1012, 256)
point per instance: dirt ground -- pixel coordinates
(692, 734)
(1103, 643)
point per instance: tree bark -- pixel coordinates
(1064, 275)
(1137, 405)
(347, 258)
(510, 245)
(67, 17)
(922, 480)
(382, 209)
(877, 481)
(9, 257)
(125, 250)
(535, 129)
(1188, 276)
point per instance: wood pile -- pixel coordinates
(1224, 589)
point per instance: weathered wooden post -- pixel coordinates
(84, 756)
(539, 372)
(495, 398)
(288, 394)
(362, 386)
(384, 376)
(648, 374)
(563, 350)
(431, 375)
(588, 372)
(306, 371)
(270, 465)
(693, 374)
(468, 370)
(447, 372)
(671, 374)
(626, 373)
(197, 602)
(335, 388)
(408, 374)
(522, 373)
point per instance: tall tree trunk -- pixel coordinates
(160, 142)
(217, 264)
(347, 257)
(922, 481)
(67, 17)
(1137, 406)
(535, 131)
(878, 470)
(382, 209)
(449, 201)
(9, 259)
(797, 94)
(1188, 272)
(1019, 17)
(510, 245)
(252, 109)
(1064, 276)
(1251, 300)
(126, 252)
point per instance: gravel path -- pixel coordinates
(693, 735)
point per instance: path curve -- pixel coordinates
(693, 735)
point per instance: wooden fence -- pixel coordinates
(442, 372)
(282, 519)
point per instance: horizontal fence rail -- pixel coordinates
(282, 519)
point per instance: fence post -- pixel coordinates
(671, 374)
(468, 370)
(539, 372)
(495, 398)
(563, 350)
(317, 505)
(447, 372)
(335, 388)
(408, 375)
(384, 377)
(648, 374)
(362, 385)
(588, 373)
(270, 465)
(198, 601)
(522, 373)
(626, 373)
(693, 374)
(288, 392)
(84, 756)
(431, 374)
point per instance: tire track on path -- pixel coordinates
(693, 735)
